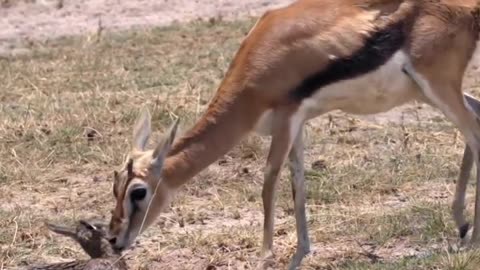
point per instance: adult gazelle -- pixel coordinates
(297, 63)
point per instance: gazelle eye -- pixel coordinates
(138, 194)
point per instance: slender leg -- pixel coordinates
(451, 101)
(458, 205)
(285, 124)
(297, 171)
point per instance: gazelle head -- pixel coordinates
(138, 188)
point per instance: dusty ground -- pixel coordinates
(24, 20)
(379, 188)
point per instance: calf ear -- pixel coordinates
(87, 225)
(142, 130)
(63, 230)
(162, 149)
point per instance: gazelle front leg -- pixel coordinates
(285, 128)
(297, 171)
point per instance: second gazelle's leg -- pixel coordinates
(297, 170)
(285, 127)
(446, 94)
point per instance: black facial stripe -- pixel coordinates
(130, 176)
(115, 188)
(130, 169)
(376, 51)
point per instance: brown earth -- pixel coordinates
(24, 20)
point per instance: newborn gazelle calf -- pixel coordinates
(300, 62)
(92, 238)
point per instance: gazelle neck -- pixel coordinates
(231, 114)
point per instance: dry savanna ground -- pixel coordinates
(379, 189)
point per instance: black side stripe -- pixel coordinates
(377, 50)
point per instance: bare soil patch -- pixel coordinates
(22, 21)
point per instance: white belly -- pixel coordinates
(375, 92)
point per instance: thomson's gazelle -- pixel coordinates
(299, 62)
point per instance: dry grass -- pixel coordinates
(378, 195)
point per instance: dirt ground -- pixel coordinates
(22, 20)
(379, 187)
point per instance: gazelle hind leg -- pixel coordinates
(450, 101)
(297, 170)
(458, 206)
(284, 129)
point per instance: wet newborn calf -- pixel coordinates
(92, 238)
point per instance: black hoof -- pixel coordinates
(463, 230)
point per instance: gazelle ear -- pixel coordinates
(142, 130)
(163, 148)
